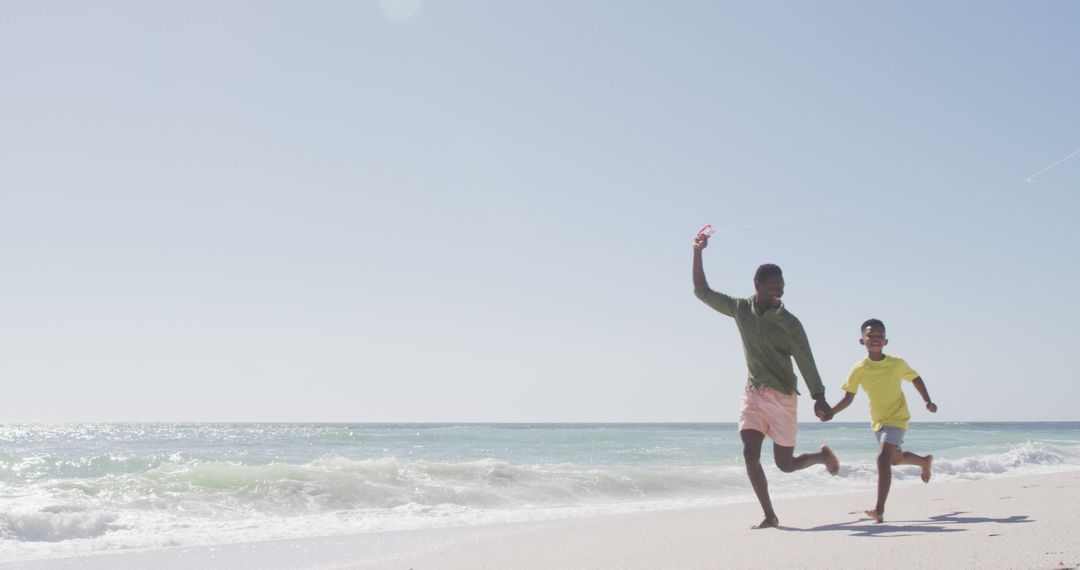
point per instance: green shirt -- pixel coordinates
(770, 340)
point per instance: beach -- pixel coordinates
(398, 496)
(1025, 521)
(416, 285)
(1019, 522)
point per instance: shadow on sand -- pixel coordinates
(939, 523)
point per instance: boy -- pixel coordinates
(880, 375)
(771, 337)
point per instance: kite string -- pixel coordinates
(893, 202)
(861, 208)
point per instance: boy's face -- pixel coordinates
(770, 290)
(873, 338)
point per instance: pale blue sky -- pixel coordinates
(482, 211)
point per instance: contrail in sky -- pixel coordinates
(1039, 173)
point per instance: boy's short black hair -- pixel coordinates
(766, 271)
(876, 323)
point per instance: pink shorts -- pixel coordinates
(773, 413)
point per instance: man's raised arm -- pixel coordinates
(700, 243)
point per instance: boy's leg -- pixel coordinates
(909, 458)
(884, 480)
(890, 438)
(752, 440)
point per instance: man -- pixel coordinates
(771, 337)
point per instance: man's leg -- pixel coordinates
(752, 440)
(783, 416)
(884, 480)
(909, 458)
(787, 462)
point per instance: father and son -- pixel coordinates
(771, 338)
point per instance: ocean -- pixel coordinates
(75, 489)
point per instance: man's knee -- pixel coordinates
(785, 464)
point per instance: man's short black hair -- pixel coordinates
(766, 271)
(875, 323)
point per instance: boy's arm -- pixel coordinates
(843, 403)
(921, 387)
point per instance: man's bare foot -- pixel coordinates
(769, 522)
(926, 468)
(872, 513)
(832, 464)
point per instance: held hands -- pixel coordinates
(822, 409)
(932, 407)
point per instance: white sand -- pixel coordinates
(1017, 522)
(1020, 522)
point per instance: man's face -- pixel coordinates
(873, 338)
(770, 290)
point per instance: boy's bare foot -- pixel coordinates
(769, 522)
(832, 464)
(926, 468)
(872, 513)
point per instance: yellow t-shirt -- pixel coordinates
(881, 381)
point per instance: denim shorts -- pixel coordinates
(890, 434)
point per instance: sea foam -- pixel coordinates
(123, 487)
